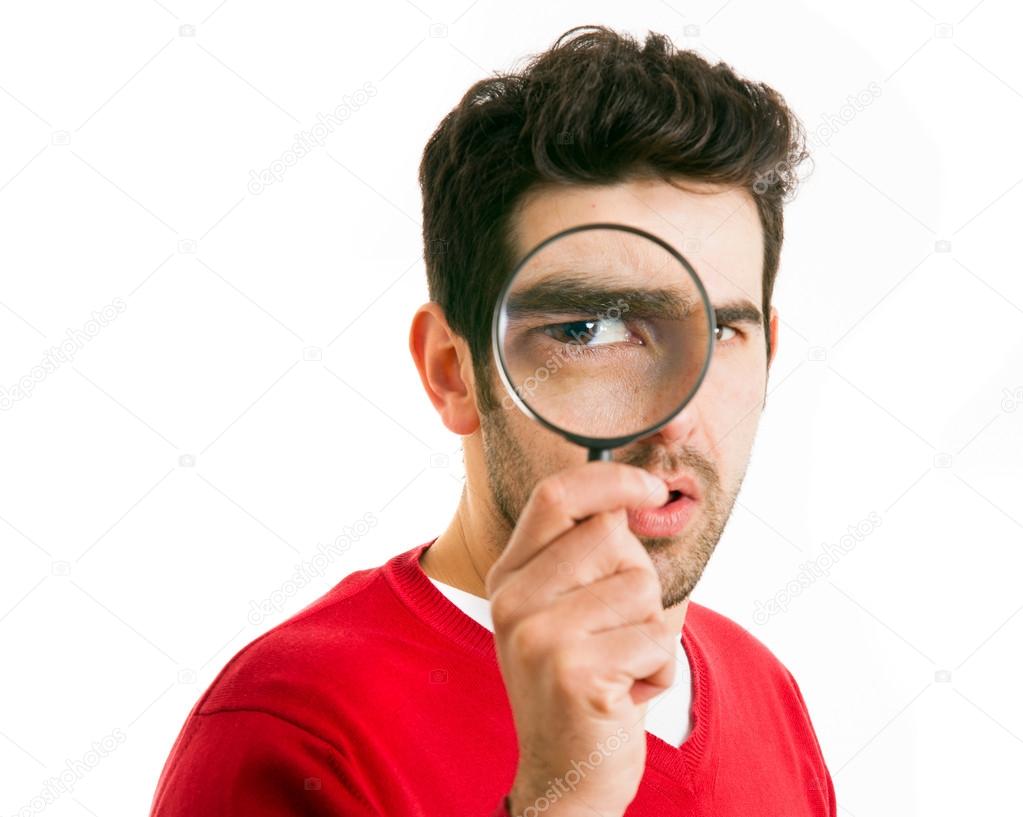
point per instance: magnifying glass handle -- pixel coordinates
(599, 454)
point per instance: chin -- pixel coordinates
(679, 565)
(663, 544)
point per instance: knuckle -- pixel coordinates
(605, 523)
(645, 587)
(600, 699)
(662, 632)
(501, 608)
(651, 590)
(492, 580)
(527, 639)
(567, 669)
(549, 492)
(671, 635)
(668, 667)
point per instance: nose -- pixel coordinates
(679, 430)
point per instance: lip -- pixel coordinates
(671, 518)
(684, 484)
(668, 520)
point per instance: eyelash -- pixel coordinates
(739, 336)
(548, 330)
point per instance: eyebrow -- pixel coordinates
(575, 296)
(738, 311)
(572, 295)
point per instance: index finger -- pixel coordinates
(560, 501)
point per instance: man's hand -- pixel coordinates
(581, 638)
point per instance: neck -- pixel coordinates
(463, 554)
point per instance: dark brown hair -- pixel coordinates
(596, 108)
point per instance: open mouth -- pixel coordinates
(670, 519)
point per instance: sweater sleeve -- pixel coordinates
(825, 775)
(248, 763)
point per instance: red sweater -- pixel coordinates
(383, 698)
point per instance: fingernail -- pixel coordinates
(656, 483)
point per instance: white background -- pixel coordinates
(189, 457)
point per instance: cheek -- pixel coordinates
(732, 398)
(546, 451)
(535, 451)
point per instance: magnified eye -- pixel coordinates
(593, 332)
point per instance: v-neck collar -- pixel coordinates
(685, 760)
(681, 763)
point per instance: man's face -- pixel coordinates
(719, 232)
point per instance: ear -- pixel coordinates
(445, 368)
(774, 335)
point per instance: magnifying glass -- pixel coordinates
(603, 333)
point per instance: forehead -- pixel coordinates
(717, 229)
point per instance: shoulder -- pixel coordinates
(285, 718)
(746, 675)
(721, 631)
(753, 686)
(728, 645)
(326, 652)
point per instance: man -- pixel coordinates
(542, 654)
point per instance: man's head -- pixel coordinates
(601, 128)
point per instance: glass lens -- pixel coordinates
(604, 333)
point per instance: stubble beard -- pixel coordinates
(679, 560)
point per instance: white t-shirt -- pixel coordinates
(668, 715)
